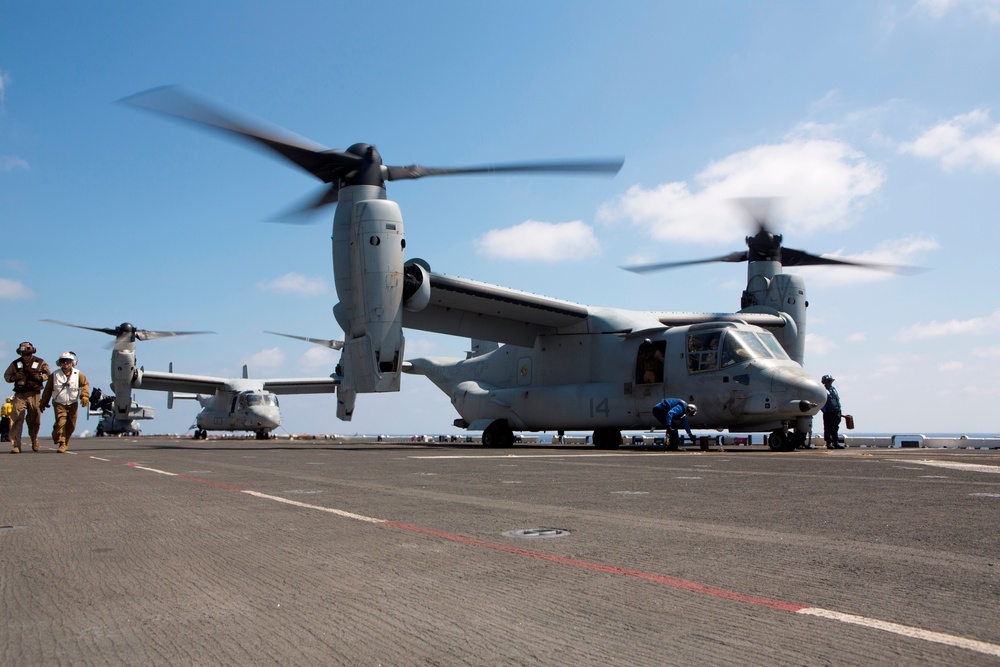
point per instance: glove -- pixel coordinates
(43, 408)
(84, 401)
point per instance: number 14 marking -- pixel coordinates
(602, 407)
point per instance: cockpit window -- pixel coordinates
(773, 345)
(270, 399)
(741, 346)
(249, 400)
(703, 351)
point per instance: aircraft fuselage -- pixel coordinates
(251, 410)
(737, 374)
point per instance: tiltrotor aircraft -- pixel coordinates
(368, 241)
(541, 364)
(103, 406)
(568, 366)
(228, 404)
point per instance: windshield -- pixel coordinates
(773, 345)
(250, 400)
(741, 346)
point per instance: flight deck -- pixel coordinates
(162, 551)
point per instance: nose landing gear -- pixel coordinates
(781, 440)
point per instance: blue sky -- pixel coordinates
(877, 122)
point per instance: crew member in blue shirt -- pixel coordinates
(673, 413)
(831, 415)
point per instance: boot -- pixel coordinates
(34, 446)
(15, 450)
(62, 448)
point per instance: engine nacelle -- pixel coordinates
(123, 373)
(371, 295)
(785, 293)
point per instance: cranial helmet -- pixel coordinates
(67, 356)
(692, 409)
(827, 378)
(26, 348)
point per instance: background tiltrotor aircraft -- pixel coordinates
(228, 404)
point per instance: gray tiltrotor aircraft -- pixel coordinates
(368, 240)
(541, 363)
(103, 406)
(568, 366)
(228, 404)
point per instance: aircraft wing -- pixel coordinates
(205, 384)
(471, 309)
(325, 385)
(180, 382)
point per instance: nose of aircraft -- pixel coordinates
(796, 387)
(265, 416)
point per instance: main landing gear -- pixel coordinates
(498, 434)
(607, 438)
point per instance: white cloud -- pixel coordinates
(318, 361)
(934, 329)
(14, 289)
(858, 337)
(987, 352)
(4, 82)
(12, 162)
(295, 283)
(950, 366)
(822, 182)
(549, 241)
(819, 345)
(936, 9)
(968, 140)
(265, 362)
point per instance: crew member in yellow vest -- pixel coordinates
(5, 414)
(66, 388)
(28, 374)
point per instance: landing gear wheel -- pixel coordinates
(780, 441)
(607, 438)
(498, 434)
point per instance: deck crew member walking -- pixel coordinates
(28, 374)
(66, 388)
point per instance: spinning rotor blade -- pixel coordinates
(143, 334)
(583, 167)
(126, 333)
(332, 344)
(758, 209)
(360, 164)
(765, 246)
(647, 268)
(301, 213)
(110, 332)
(322, 163)
(792, 257)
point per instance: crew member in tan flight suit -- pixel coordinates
(28, 374)
(66, 388)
